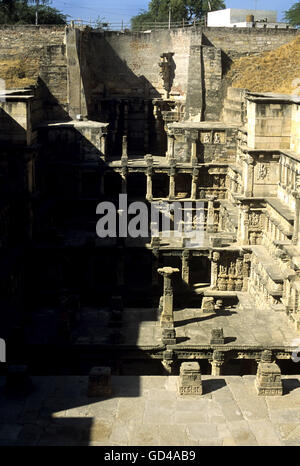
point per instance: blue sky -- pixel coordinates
(114, 11)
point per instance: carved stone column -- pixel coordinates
(185, 271)
(172, 183)
(210, 215)
(124, 172)
(168, 361)
(194, 183)
(194, 150)
(214, 270)
(149, 184)
(103, 145)
(248, 178)
(217, 363)
(167, 318)
(297, 211)
(124, 147)
(171, 144)
(149, 162)
(246, 267)
(244, 227)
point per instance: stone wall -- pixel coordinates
(116, 64)
(243, 41)
(15, 40)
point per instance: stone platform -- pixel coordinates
(147, 410)
(248, 326)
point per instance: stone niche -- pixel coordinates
(231, 271)
(190, 382)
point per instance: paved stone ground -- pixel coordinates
(148, 411)
(248, 326)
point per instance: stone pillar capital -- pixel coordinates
(167, 271)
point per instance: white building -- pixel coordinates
(233, 17)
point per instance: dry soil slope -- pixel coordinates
(275, 71)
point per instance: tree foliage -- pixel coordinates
(24, 12)
(293, 15)
(188, 10)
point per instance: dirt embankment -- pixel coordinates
(275, 71)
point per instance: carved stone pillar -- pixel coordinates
(194, 151)
(167, 318)
(149, 185)
(171, 144)
(149, 162)
(124, 147)
(248, 179)
(217, 363)
(185, 271)
(124, 173)
(172, 183)
(243, 227)
(296, 239)
(103, 146)
(168, 361)
(210, 215)
(194, 183)
(214, 270)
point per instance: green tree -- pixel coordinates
(158, 10)
(24, 12)
(293, 15)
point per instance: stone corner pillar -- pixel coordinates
(167, 317)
